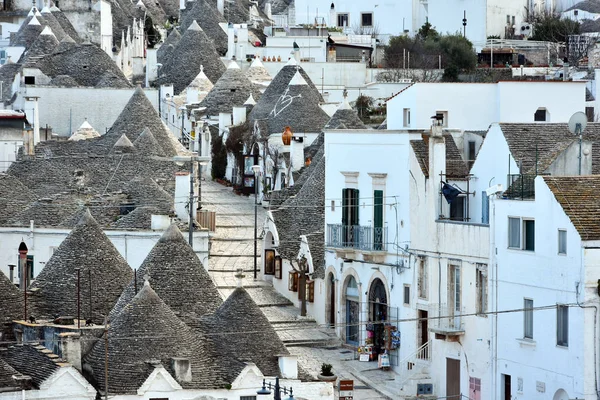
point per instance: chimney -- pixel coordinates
(239, 277)
(268, 10)
(242, 41)
(437, 164)
(296, 154)
(33, 116)
(159, 222)
(24, 280)
(11, 267)
(221, 6)
(192, 94)
(138, 66)
(182, 195)
(23, 381)
(182, 4)
(182, 369)
(239, 115)
(332, 18)
(151, 67)
(288, 365)
(230, 41)
(70, 345)
(224, 122)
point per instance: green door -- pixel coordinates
(378, 220)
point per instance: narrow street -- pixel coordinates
(232, 248)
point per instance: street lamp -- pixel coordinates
(256, 170)
(276, 390)
(191, 159)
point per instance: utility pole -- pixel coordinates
(78, 297)
(191, 206)
(106, 357)
(465, 24)
(255, 221)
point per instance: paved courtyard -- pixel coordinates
(232, 248)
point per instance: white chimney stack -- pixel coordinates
(268, 10)
(239, 115)
(288, 365)
(224, 122)
(221, 6)
(182, 196)
(296, 155)
(332, 18)
(230, 42)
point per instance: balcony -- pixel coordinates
(357, 237)
(446, 321)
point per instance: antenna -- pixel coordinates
(577, 124)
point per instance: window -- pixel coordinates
(471, 151)
(30, 80)
(269, 262)
(528, 234)
(406, 295)
(343, 20)
(474, 388)
(508, 19)
(443, 115)
(524, 230)
(350, 217)
(513, 20)
(332, 205)
(514, 233)
(481, 286)
(562, 325)
(562, 241)
(423, 279)
(454, 300)
(366, 19)
(457, 209)
(528, 318)
(485, 208)
(540, 115)
(406, 122)
(378, 220)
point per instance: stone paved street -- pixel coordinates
(232, 247)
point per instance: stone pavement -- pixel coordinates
(232, 247)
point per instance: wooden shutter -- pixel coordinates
(378, 208)
(354, 208)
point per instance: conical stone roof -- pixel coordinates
(45, 44)
(298, 107)
(86, 63)
(123, 144)
(255, 339)
(147, 145)
(11, 304)
(258, 73)
(64, 81)
(65, 24)
(146, 329)
(208, 18)
(345, 116)
(179, 278)
(164, 51)
(194, 49)
(232, 89)
(84, 132)
(111, 80)
(137, 115)
(277, 87)
(28, 33)
(201, 82)
(53, 23)
(54, 291)
(146, 192)
(66, 44)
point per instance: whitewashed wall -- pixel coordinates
(75, 105)
(548, 279)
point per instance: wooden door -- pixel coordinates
(452, 379)
(332, 301)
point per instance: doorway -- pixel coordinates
(352, 312)
(378, 314)
(506, 387)
(423, 335)
(452, 379)
(331, 300)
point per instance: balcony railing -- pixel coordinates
(446, 320)
(357, 237)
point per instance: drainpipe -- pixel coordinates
(494, 272)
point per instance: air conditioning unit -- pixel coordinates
(424, 388)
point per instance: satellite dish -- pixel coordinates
(577, 123)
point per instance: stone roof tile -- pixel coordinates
(208, 18)
(28, 360)
(456, 168)
(87, 248)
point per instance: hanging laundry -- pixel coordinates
(450, 192)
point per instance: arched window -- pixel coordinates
(541, 115)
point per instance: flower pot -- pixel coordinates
(329, 378)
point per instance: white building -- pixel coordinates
(547, 271)
(486, 103)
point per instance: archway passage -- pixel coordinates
(560, 394)
(378, 314)
(352, 312)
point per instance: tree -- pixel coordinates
(363, 105)
(550, 27)
(372, 31)
(457, 51)
(427, 31)
(219, 157)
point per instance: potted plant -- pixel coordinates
(327, 374)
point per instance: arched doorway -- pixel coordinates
(560, 395)
(378, 314)
(330, 308)
(352, 312)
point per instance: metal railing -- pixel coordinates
(357, 237)
(520, 186)
(446, 319)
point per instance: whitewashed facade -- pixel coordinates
(487, 103)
